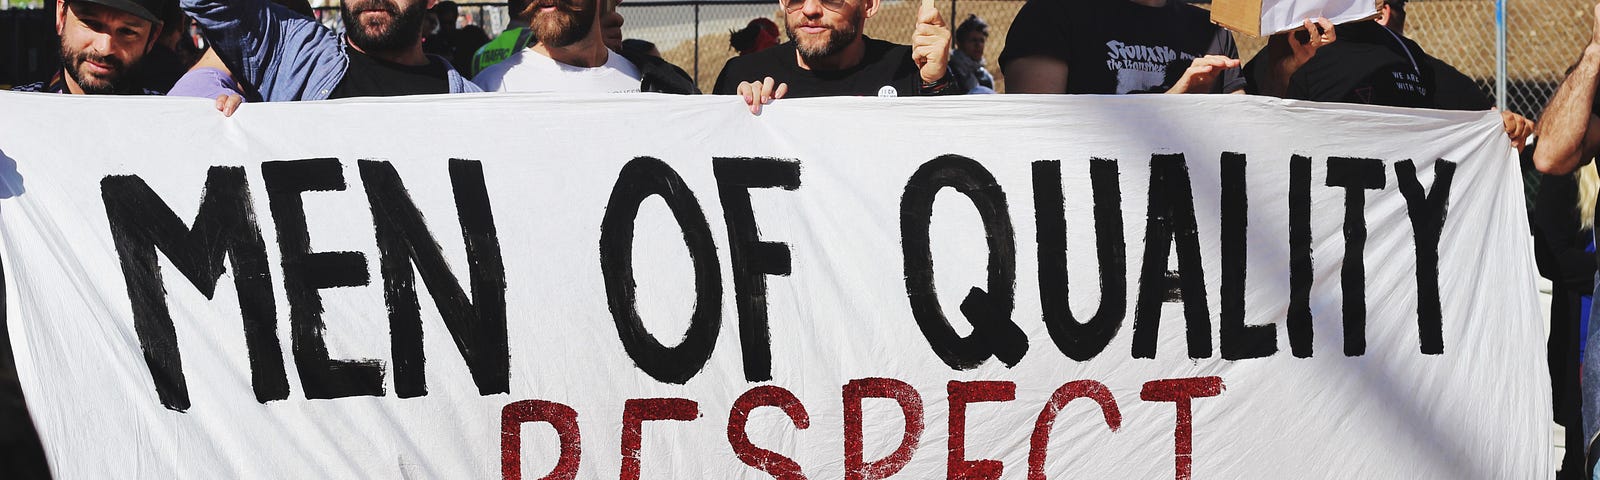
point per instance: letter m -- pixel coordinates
(141, 223)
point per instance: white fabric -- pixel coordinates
(530, 71)
(1278, 16)
(1479, 409)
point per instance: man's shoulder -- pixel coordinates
(874, 44)
(1191, 12)
(32, 87)
(883, 54)
(1354, 56)
(517, 60)
(763, 60)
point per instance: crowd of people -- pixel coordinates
(261, 50)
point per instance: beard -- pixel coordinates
(812, 48)
(90, 84)
(569, 23)
(399, 33)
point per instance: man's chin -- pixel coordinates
(813, 49)
(97, 85)
(554, 21)
(375, 29)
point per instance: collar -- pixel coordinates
(57, 83)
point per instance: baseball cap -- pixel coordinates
(146, 9)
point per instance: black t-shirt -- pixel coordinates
(371, 77)
(159, 69)
(1369, 64)
(1117, 46)
(1453, 90)
(885, 68)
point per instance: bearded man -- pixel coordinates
(571, 56)
(285, 56)
(101, 42)
(829, 56)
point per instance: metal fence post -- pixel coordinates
(1500, 54)
(696, 42)
(954, 18)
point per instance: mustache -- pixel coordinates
(114, 62)
(373, 5)
(568, 5)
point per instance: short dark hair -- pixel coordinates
(637, 46)
(971, 25)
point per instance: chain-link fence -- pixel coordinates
(1544, 36)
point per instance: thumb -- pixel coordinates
(928, 14)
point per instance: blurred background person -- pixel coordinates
(760, 34)
(456, 44)
(513, 39)
(1563, 233)
(967, 62)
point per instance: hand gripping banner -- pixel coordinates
(642, 286)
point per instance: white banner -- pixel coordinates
(644, 286)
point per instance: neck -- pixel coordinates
(841, 60)
(587, 53)
(409, 56)
(1151, 3)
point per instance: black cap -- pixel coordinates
(147, 9)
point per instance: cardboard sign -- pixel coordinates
(645, 286)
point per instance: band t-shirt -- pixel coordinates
(1117, 46)
(370, 77)
(885, 70)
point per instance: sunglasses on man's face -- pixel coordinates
(792, 5)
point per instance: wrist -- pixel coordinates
(938, 85)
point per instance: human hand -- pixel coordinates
(1202, 74)
(1518, 128)
(930, 43)
(1319, 33)
(761, 93)
(228, 103)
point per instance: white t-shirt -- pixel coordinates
(530, 71)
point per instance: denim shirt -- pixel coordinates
(281, 54)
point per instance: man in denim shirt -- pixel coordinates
(285, 56)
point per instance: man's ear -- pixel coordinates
(431, 4)
(1384, 14)
(869, 8)
(155, 35)
(61, 15)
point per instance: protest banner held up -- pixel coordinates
(657, 287)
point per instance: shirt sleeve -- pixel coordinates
(281, 54)
(726, 83)
(1233, 79)
(204, 82)
(1040, 29)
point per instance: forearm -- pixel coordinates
(1565, 122)
(267, 47)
